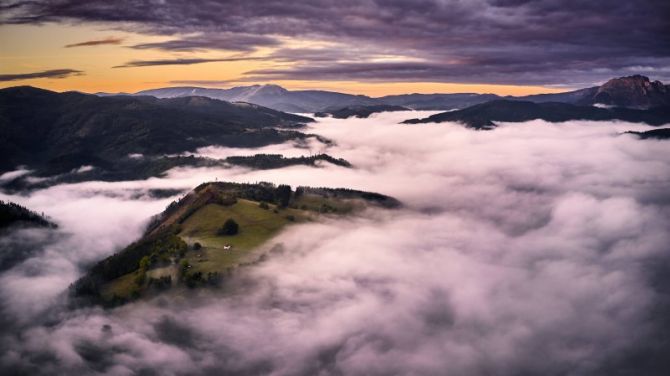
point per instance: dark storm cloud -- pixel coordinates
(600, 38)
(323, 54)
(97, 42)
(467, 71)
(53, 73)
(228, 41)
(149, 63)
(361, 71)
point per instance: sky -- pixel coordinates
(376, 48)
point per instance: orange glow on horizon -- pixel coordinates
(357, 88)
(47, 51)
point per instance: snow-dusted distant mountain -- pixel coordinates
(630, 92)
(272, 96)
(306, 101)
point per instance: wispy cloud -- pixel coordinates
(96, 42)
(53, 73)
(150, 63)
(226, 41)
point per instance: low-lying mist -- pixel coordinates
(535, 248)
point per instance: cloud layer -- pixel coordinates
(485, 41)
(148, 63)
(523, 250)
(228, 42)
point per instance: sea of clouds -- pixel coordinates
(535, 248)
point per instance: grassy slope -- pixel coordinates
(122, 286)
(166, 256)
(257, 226)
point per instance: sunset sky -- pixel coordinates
(369, 47)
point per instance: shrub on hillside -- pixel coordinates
(229, 228)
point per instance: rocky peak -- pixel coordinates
(633, 91)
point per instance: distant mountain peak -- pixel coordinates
(27, 90)
(636, 80)
(273, 89)
(635, 91)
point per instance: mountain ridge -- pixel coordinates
(484, 115)
(72, 129)
(634, 91)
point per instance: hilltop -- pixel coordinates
(272, 96)
(484, 116)
(636, 92)
(12, 214)
(18, 240)
(143, 167)
(54, 133)
(655, 134)
(359, 111)
(193, 244)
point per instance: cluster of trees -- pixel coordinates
(346, 193)
(359, 111)
(142, 271)
(137, 256)
(160, 283)
(194, 279)
(157, 220)
(198, 279)
(270, 161)
(271, 193)
(12, 213)
(262, 192)
(283, 195)
(121, 169)
(166, 249)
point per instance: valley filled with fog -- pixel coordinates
(534, 248)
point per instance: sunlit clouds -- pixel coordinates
(502, 47)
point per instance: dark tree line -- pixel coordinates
(270, 161)
(137, 256)
(12, 213)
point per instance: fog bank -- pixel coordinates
(529, 249)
